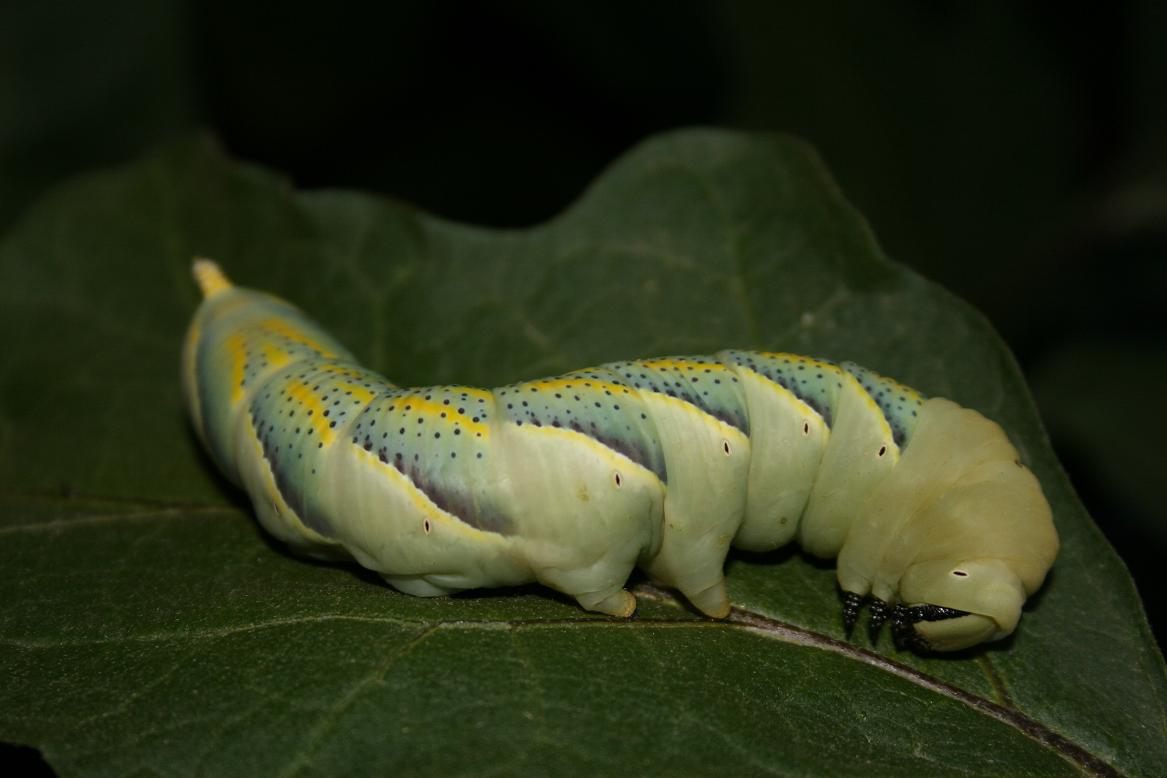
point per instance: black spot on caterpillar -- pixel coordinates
(573, 481)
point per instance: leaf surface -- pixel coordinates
(151, 627)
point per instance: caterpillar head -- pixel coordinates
(957, 536)
(982, 549)
(947, 607)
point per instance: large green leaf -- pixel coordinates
(149, 626)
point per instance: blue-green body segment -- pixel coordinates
(571, 480)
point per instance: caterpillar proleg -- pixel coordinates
(661, 464)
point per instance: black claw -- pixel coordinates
(878, 611)
(902, 631)
(852, 602)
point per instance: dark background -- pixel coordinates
(1015, 152)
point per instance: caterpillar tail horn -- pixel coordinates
(209, 277)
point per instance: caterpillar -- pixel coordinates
(662, 464)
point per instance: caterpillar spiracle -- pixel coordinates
(662, 464)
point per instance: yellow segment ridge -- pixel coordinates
(280, 327)
(302, 392)
(804, 360)
(567, 382)
(434, 410)
(681, 364)
(359, 392)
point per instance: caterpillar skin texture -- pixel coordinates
(573, 481)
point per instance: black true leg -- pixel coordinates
(902, 631)
(852, 602)
(878, 611)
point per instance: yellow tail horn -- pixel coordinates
(209, 277)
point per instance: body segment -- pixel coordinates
(574, 480)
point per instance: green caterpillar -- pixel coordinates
(575, 480)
